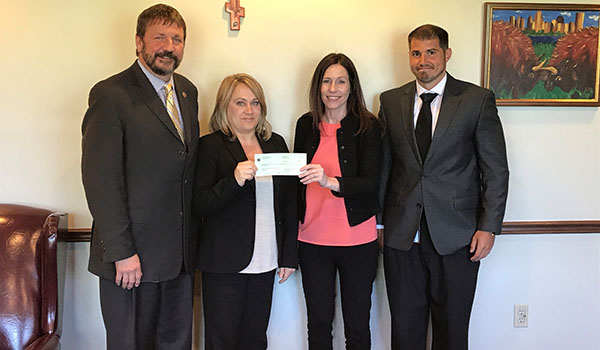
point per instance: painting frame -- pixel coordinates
(519, 75)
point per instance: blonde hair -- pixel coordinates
(218, 120)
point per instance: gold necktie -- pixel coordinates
(172, 109)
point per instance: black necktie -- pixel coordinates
(423, 129)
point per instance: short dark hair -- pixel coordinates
(159, 13)
(428, 32)
(356, 100)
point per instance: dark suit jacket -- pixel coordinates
(228, 211)
(138, 176)
(360, 162)
(463, 183)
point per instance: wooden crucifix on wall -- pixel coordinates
(236, 12)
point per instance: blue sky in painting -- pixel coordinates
(591, 17)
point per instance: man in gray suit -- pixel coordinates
(140, 136)
(445, 196)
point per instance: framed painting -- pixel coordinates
(542, 54)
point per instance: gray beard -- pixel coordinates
(151, 62)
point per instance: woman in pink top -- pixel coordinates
(338, 202)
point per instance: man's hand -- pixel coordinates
(481, 244)
(284, 273)
(129, 272)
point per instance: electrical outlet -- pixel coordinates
(521, 316)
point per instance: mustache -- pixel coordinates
(166, 54)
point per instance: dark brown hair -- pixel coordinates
(428, 32)
(356, 101)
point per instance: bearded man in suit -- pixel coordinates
(140, 137)
(447, 184)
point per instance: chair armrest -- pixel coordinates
(45, 342)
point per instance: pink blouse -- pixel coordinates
(326, 221)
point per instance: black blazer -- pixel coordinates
(228, 211)
(360, 162)
(138, 176)
(463, 183)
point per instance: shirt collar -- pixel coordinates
(156, 82)
(438, 88)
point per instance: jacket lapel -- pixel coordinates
(407, 104)
(267, 147)
(235, 149)
(450, 103)
(149, 96)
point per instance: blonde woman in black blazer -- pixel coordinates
(237, 297)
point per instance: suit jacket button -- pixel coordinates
(345, 161)
(342, 147)
(180, 213)
(419, 205)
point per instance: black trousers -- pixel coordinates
(153, 316)
(421, 281)
(357, 267)
(237, 308)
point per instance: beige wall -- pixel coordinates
(54, 51)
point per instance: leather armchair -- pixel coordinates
(31, 277)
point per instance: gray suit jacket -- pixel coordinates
(138, 176)
(463, 184)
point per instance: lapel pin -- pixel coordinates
(184, 94)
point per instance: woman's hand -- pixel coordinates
(315, 173)
(284, 273)
(244, 171)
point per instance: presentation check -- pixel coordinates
(279, 163)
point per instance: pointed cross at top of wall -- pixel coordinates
(236, 12)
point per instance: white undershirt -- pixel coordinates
(264, 256)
